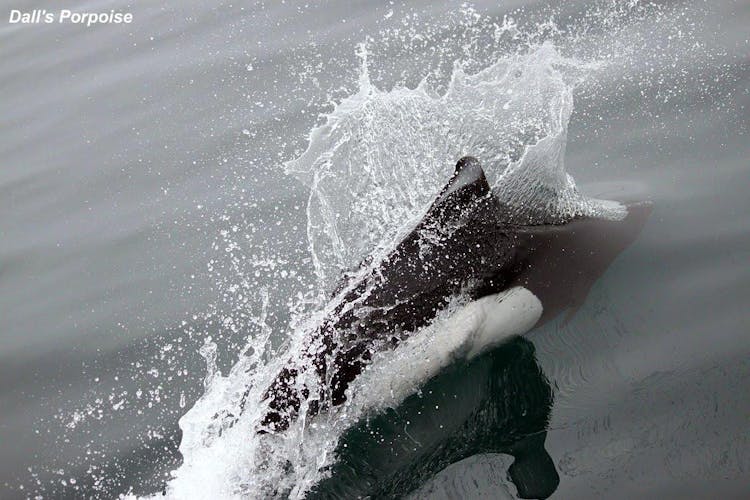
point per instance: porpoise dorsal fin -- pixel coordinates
(468, 174)
(465, 190)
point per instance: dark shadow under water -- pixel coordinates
(499, 402)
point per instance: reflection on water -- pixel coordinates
(498, 403)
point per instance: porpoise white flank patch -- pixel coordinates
(461, 333)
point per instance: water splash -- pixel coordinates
(375, 165)
(373, 168)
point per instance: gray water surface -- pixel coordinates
(120, 145)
